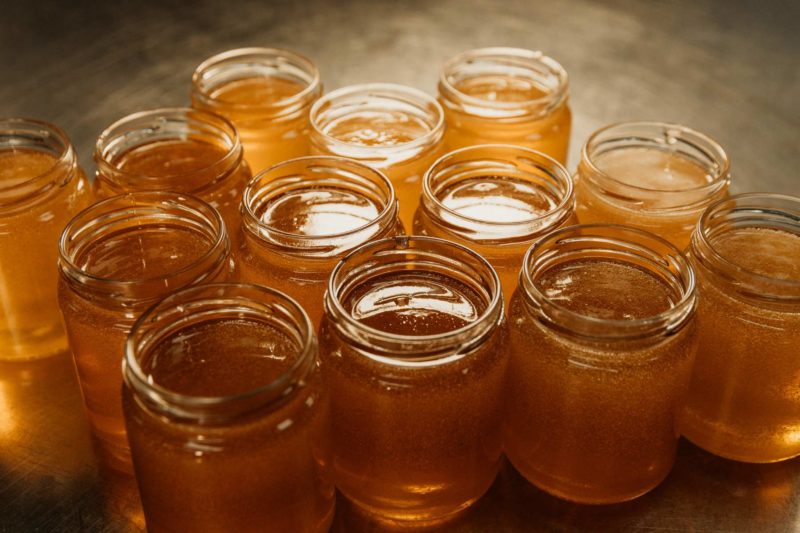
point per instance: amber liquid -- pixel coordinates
(414, 443)
(587, 421)
(30, 324)
(744, 402)
(261, 471)
(548, 134)
(310, 212)
(267, 139)
(98, 327)
(650, 169)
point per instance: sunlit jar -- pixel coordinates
(744, 398)
(116, 259)
(497, 200)
(603, 337)
(227, 415)
(41, 188)
(506, 96)
(395, 129)
(178, 150)
(413, 350)
(302, 216)
(655, 176)
(266, 93)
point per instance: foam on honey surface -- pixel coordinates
(768, 252)
(652, 169)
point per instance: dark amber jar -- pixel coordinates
(227, 416)
(413, 350)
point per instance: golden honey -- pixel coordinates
(395, 129)
(506, 96)
(743, 401)
(602, 342)
(413, 349)
(266, 93)
(41, 188)
(227, 415)
(653, 176)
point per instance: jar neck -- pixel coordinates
(747, 211)
(253, 63)
(530, 68)
(137, 213)
(33, 135)
(218, 302)
(616, 243)
(402, 255)
(671, 139)
(375, 99)
(502, 164)
(135, 132)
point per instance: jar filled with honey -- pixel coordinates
(395, 129)
(302, 216)
(497, 200)
(116, 259)
(506, 96)
(602, 337)
(744, 398)
(266, 93)
(413, 350)
(41, 188)
(655, 176)
(226, 412)
(178, 150)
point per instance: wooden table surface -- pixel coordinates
(730, 69)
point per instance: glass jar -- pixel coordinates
(302, 216)
(744, 399)
(116, 259)
(413, 350)
(179, 150)
(654, 176)
(266, 93)
(506, 96)
(602, 340)
(41, 188)
(497, 200)
(226, 413)
(395, 129)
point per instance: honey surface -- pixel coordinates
(497, 199)
(377, 128)
(164, 159)
(257, 91)
(768, 252)
(500, 88)
(652, 169)
(19, 166)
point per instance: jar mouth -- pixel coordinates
(611, 242)
(501, 160)
(399, 254)
(748, 210)
(532, 66)
(242, 63)
(218, 301)
(167, 124)
(32, 134)
(136, 211)
(310, 173)
(378, 97)
(671, 138)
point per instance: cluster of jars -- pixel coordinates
(381, 292)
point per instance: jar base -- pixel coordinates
(723, 444)
(400, 518)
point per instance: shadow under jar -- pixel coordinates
(506, 96)
(266, 93)
(117, 258)
(41, 188)
(496, 200)
(302, 216)
(654, 176)
(602, 342)
(226, 413)
(413, 350)
(744, 398)
(395, 129)
(179, 150)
